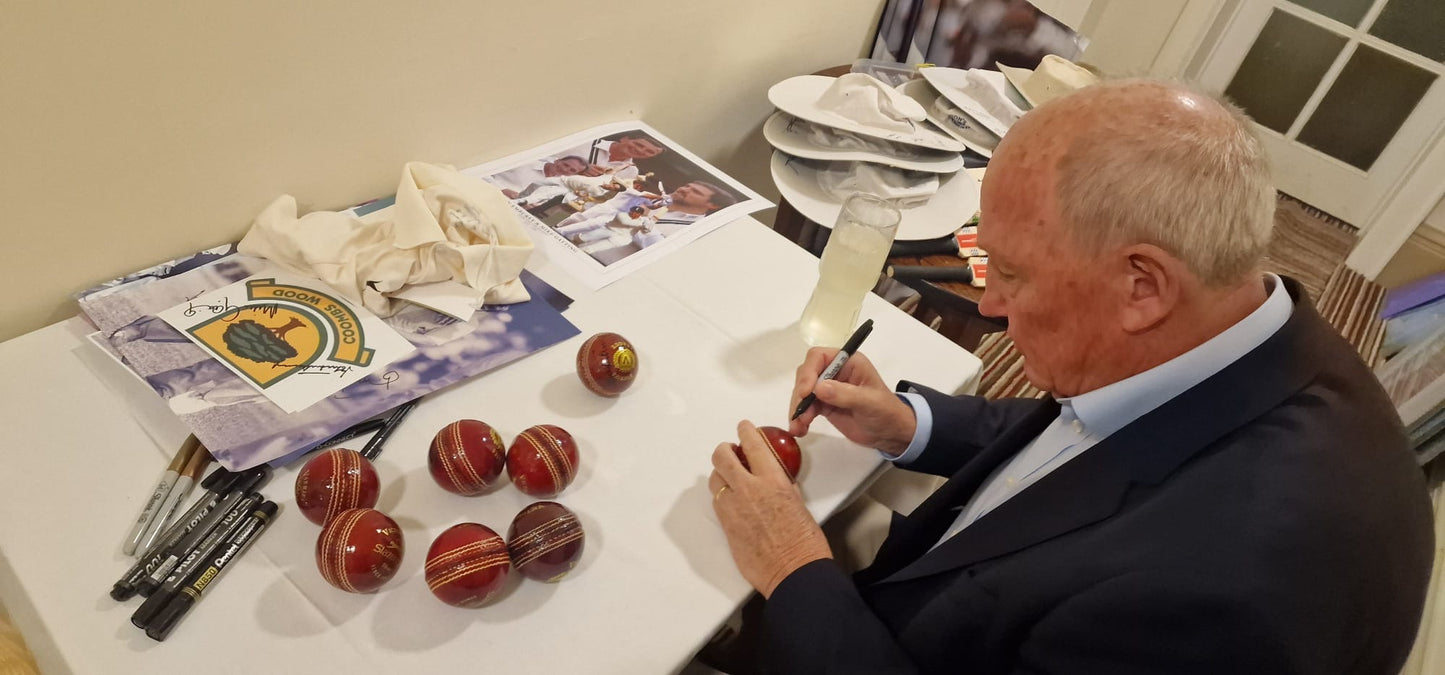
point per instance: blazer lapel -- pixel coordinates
(1092, 486)
(911, 537)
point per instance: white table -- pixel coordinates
(715, 328)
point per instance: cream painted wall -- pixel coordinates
(1126, 36)
(135, 132)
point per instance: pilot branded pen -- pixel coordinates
(126, 587)
(158, 495)
(175, 538)
(179, 493)
(854, 341)
(199, 580)
(217, 484)
(172, 556)
(165, 587)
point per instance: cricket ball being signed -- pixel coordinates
(607, 364)
(334, 481)
(466, 457)
(542, 460)
(359, 550)
(783, 446)
(467, 565)
(545, 541)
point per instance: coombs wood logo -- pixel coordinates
(281, 330)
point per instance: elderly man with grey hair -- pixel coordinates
(1217, 484)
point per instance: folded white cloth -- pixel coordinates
(907, 189)
(871, 102)
(446, 225)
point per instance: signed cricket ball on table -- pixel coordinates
(359, 550)
(607, 364)
(545, 541)
(467, 457)
(466, 565)
(335, 481)
(784, 447)
(542, 461)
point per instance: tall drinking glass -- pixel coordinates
(851, 263)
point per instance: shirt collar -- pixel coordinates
(1109, 408)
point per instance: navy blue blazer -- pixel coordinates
(1269, 520)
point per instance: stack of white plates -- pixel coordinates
(798, 133)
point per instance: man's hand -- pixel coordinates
(593, 170)
(857, 402)
(768, 527)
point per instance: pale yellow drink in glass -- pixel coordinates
(850, 266)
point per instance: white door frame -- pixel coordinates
(1400, 212)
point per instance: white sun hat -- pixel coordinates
(860, 104)
(982, 94)
(950, 208)
(950, 118)
(1055, 77)
(801, 138)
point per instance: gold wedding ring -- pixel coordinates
(719, 492)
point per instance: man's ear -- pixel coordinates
(1153, 280)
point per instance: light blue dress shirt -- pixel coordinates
(1089, 418)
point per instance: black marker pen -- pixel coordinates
(200, 579)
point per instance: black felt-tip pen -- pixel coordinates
(201, 578)
(159, 591)
(157, 573)
(217, 485)
(854, 341)
(373, 446)
(183, 535)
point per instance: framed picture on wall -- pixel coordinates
(972, 34)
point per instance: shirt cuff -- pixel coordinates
(923, 429)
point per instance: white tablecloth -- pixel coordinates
(715, 326)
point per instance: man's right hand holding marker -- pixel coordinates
(858, 403)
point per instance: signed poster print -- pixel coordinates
(239, 425)
(288, 336)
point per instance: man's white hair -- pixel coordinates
(1188, 175)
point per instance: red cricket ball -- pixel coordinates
(543, 460)
(359, 550)
(545, 541)
(784, 447)
(466, 565)
(607, 364)
(334, 481)
(466, 457)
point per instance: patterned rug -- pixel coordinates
(1308, 245)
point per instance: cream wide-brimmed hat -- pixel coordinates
(801, 138)
(860, 104)
(954, 203)
(1055, 77)
(950, 118)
